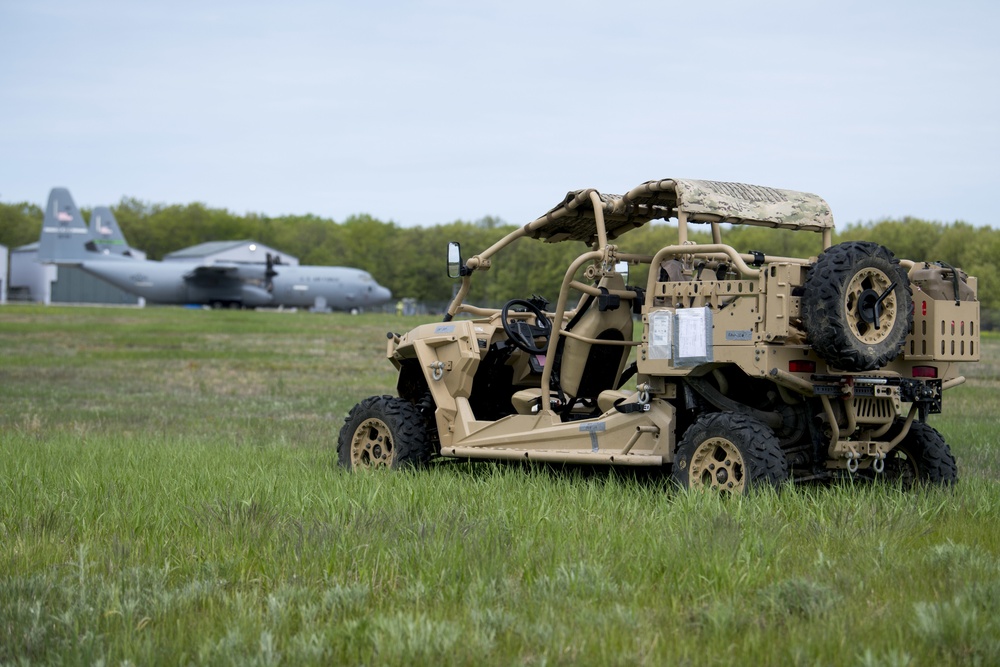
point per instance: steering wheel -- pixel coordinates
(523, 334)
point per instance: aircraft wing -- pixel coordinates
(209, 275)
(213, 274)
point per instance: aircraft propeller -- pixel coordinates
(269, 272)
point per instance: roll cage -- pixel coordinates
(597, 219)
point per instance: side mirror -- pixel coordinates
(622, 268)
(454, 260)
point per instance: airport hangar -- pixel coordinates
(31, 280)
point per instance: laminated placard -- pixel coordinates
(661, 334)
(692, 336)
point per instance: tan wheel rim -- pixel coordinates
(718, 465)
(873, 279)
(902, 466)
(372, 445)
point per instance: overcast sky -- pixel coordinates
(427, 112)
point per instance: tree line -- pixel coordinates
(410, 261)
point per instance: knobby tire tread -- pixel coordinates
(405, 421)
(827, 327)
(764, 462)
(935, 462)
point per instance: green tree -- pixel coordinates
(410, 260)
(20, 224)
(908, 238)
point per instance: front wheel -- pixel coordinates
(923, 457)
(383, 432)
(729, 453)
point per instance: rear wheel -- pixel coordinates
(729, 453)
(923, 457)
(384, 432)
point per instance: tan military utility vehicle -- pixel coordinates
(750, 369)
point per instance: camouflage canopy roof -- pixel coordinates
(702, 201)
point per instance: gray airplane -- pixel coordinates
(103, 252)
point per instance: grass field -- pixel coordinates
(169, 495)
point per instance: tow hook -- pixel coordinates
(852, 462)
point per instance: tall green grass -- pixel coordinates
(169, 495)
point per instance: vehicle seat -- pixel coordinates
(586, 369)
(673, 271)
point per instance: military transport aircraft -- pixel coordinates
(103, 252)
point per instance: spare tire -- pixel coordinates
(857, 307)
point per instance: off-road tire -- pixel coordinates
(384, 431)
(923, 457)
(729, 453)
(843, 276)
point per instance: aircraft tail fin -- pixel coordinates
(64, 231)
(106, 236)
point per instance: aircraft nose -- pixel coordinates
(382, 294)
